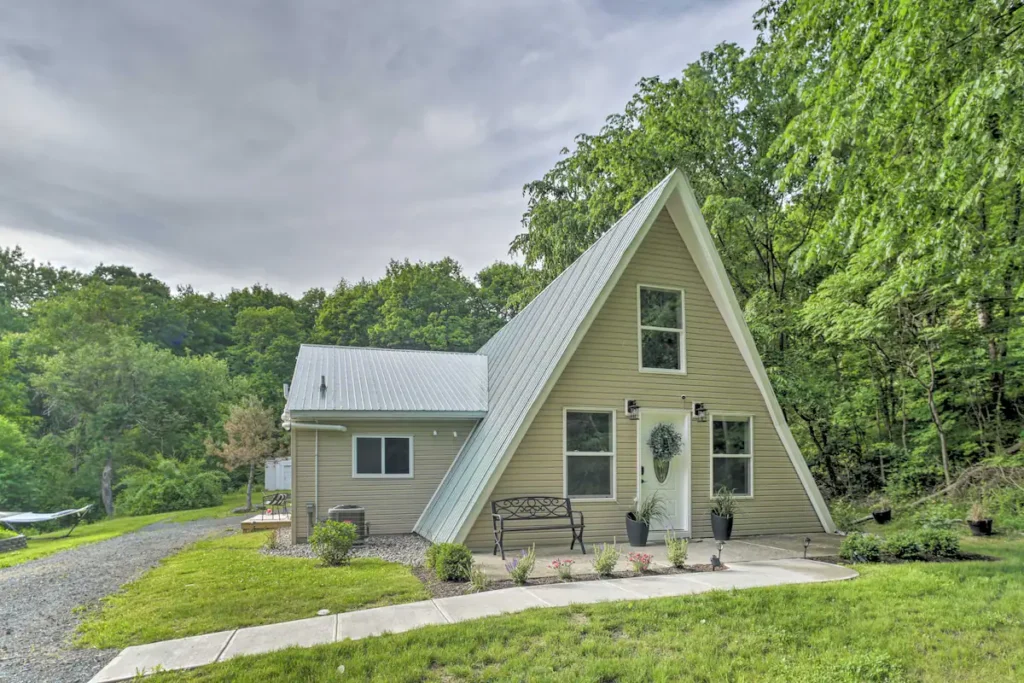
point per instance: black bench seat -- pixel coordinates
(534, 513)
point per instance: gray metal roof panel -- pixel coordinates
(521, 358)
(366, 379)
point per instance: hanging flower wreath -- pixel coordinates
(665, 443)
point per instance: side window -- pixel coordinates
(732, 455)
(589, 454)
(382, 456)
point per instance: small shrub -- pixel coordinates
(859, 547)
(453, 562)
(605, 558)
(844, 514)
(7, 533)
(881, 505)
(641, 561)
(677, 549)
(479, 580)
(332, 541)
(904, 545)
(938, 516)
(430, 559)
(939, 542)
(520, 568)
(724, 503)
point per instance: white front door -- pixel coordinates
(674, 491)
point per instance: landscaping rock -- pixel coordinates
(39, 598)
(408, 549)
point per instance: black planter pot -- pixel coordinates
(980, 527)
(882, 516)
(636, 531)
(721, 527)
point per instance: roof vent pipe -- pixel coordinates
(323, 384)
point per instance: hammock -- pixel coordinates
(10, 518)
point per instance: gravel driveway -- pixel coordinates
(37, 599)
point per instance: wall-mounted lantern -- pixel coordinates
(632, 409)
(700, 412)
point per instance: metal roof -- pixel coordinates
(387, 380)
(522, 357)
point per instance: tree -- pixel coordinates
(116, 402)
(265, 343)
(251, 439)
(504, 289)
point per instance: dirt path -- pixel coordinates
(38, 598)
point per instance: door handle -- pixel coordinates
(641, 470)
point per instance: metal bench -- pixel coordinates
(529, 513)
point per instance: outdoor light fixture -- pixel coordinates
(807, 542)
(632, 409)
(700, 412)
(716, 560)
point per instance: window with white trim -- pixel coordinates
(589, 454)
(662, 336)
(382, 456)
(732, 455)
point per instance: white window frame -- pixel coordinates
(736, 417)
(383, 475)
(640, 328)
(566, 454)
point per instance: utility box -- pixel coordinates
(353, 514)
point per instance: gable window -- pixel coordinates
(589, 467)
(382, 456)
(732, 455)
(662, 330)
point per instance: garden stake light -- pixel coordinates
(807, 542)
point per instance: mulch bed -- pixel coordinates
(889, 559)
(447, 589)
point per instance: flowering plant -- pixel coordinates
(564, 569)
(641, 562)
(520, 568)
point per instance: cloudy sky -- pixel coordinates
(295, 143)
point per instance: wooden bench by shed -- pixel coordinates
(534, 513)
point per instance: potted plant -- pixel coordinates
(979, 521)
(882, 511)
(723, 505)
(638, 520)
(665, 443)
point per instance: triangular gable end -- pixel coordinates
(675, 195)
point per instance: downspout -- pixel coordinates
(317, 428)
(316, 478)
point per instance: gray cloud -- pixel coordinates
(221, 143)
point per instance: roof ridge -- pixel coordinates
(381, 348)
(583, 254)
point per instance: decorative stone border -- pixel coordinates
(15, 543)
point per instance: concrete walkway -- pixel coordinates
(187, 653)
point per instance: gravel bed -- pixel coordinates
(407, 549)
(38, 598)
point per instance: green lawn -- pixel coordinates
(226, 583)
(49, 543)
(911, 622)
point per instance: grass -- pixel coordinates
(225, 583)
(49, 543)
(911, 622)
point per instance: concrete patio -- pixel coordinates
(187, 653)
(744, 549)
